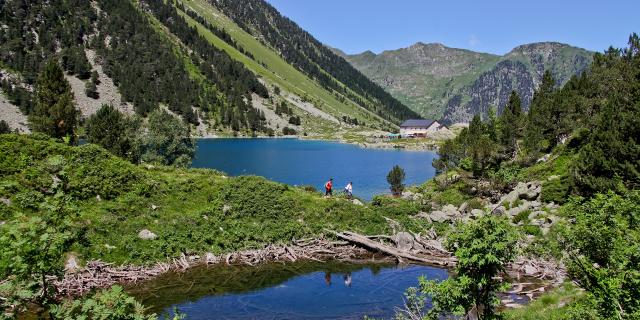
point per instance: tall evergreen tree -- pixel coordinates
(511, 123)
(543, 117)
(55, 112)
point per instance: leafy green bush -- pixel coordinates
(111, 304)
(605, 247)
(483, 248)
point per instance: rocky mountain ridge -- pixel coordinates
(454, 84)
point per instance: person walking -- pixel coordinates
(328, 188)
(348, 190)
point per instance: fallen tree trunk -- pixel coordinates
(368, 243)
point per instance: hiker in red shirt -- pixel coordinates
(328, 188)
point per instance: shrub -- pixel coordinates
(522, 216)
(111, 304)
(395, 178)
(532, 230)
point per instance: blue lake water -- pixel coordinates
(305, 162)
(292, 291)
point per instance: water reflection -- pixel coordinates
(285, 291)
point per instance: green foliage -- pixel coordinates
(31, 250)
(111, 304)
(115, 132)
(510, 124)
(289, 131)
(91, 90)
(610, 159)
(167, 141)
(55, 113)
(483, 248)
(523, 216)
(556, 190)
(395, 178)
(604, 249)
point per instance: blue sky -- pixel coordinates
(487, 26)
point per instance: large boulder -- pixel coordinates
(404, 241)
(477, 213)
(451, 210)
(439, 216)
(145, 234)
(533, 191)
(525, 205)
(499, 211)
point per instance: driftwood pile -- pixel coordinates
(402, 246)
(99, 274)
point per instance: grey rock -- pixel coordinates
(451, 210)
(6, 201)
(477, 213)
(532, 193)
(404, 241)
(509, 198)
(407, 195)
(530, 270)
(538, 222)
(145, 234)
(463, 207)
(439, 216)
(535, 214)
(499, 211)
(536, 204)
(544, 158)
(357, 202)
(226, 208)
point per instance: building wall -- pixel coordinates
(435, 127)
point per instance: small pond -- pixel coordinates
(307, 162)
(301, 290)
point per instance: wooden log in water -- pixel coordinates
(364, 241)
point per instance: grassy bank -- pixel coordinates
(108, 201)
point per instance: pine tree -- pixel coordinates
(395, 178)
(91, 90)
(113, 131)
(55, 113)
(511, 123)
(542, 123)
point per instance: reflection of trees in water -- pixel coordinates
(177, 288)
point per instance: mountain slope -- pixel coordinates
(304, 52)
(454, 84)
(189, 58)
